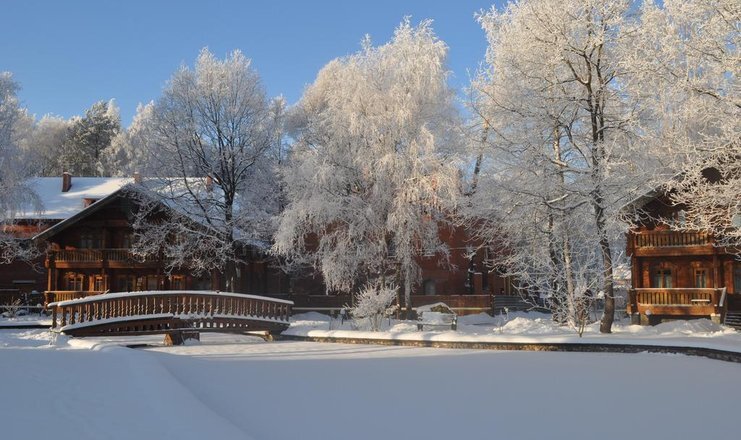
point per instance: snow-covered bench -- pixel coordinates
(436, 315)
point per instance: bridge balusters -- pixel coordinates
(201, 308)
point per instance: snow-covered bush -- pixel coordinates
(373, 303)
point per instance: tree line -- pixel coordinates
(578, 107)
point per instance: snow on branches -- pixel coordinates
(371, 173)
(210, 139)
(373, 303)
(687, 52)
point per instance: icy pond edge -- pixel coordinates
(587, 347)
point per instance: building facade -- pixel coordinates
(677, 274)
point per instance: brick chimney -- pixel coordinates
(137, 177)
(209, 183)
(66, 181)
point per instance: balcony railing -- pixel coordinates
(99, 255)
(679, 301)
(662, 239)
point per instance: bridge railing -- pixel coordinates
(186, 305)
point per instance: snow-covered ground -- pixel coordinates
(528, 328)
(29, 319)
(240, 387)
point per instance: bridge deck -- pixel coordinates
(166, 311)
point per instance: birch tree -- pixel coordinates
(209, 140)
(43, 150)
(369, 182)
(688, 52)
(127, 153)
(561, 141)
(14, 171)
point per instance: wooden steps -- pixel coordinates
(733, 319)
(510, 302)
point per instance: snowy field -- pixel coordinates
(242, 388)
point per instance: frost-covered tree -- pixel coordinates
(560, 143)
(370, 176)
(373, 303)
(127, 153)
(686, 53)
(14, 192)
(88, 137)
(210, 139)
(44, 147)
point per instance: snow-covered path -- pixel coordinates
(302, 390)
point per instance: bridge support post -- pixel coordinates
(178, 337)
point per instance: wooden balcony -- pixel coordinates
(98, 258)
(669, 243)
(677, 302)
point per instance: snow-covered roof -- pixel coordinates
(58, 205)
(67, 207)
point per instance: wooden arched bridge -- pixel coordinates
(138, 313)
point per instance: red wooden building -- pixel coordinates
(678, 274)
(86, 232)
(465, 284)
(84, 229)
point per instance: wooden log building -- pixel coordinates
(85, 229)
(678, 274)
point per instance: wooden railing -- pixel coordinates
(99, 255)
(66, 295)
(657, 239)
(198, 309)
(677, 301)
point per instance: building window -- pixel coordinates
(153, 282)
(125, 283)
(701, 278)
(126, 240)
(74, 281)
(202, 283)
(99, 283)
(177, 282)
(90, 240)
(662, 279)
(429, 287)
(682, 218)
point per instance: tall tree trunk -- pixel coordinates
(607, 268)
(408, 294)
(565, 242)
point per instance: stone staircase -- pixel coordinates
(733, 319)
(510, 302)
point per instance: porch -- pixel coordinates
(98, 258)
(652, 305)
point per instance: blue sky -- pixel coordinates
(69, 54)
